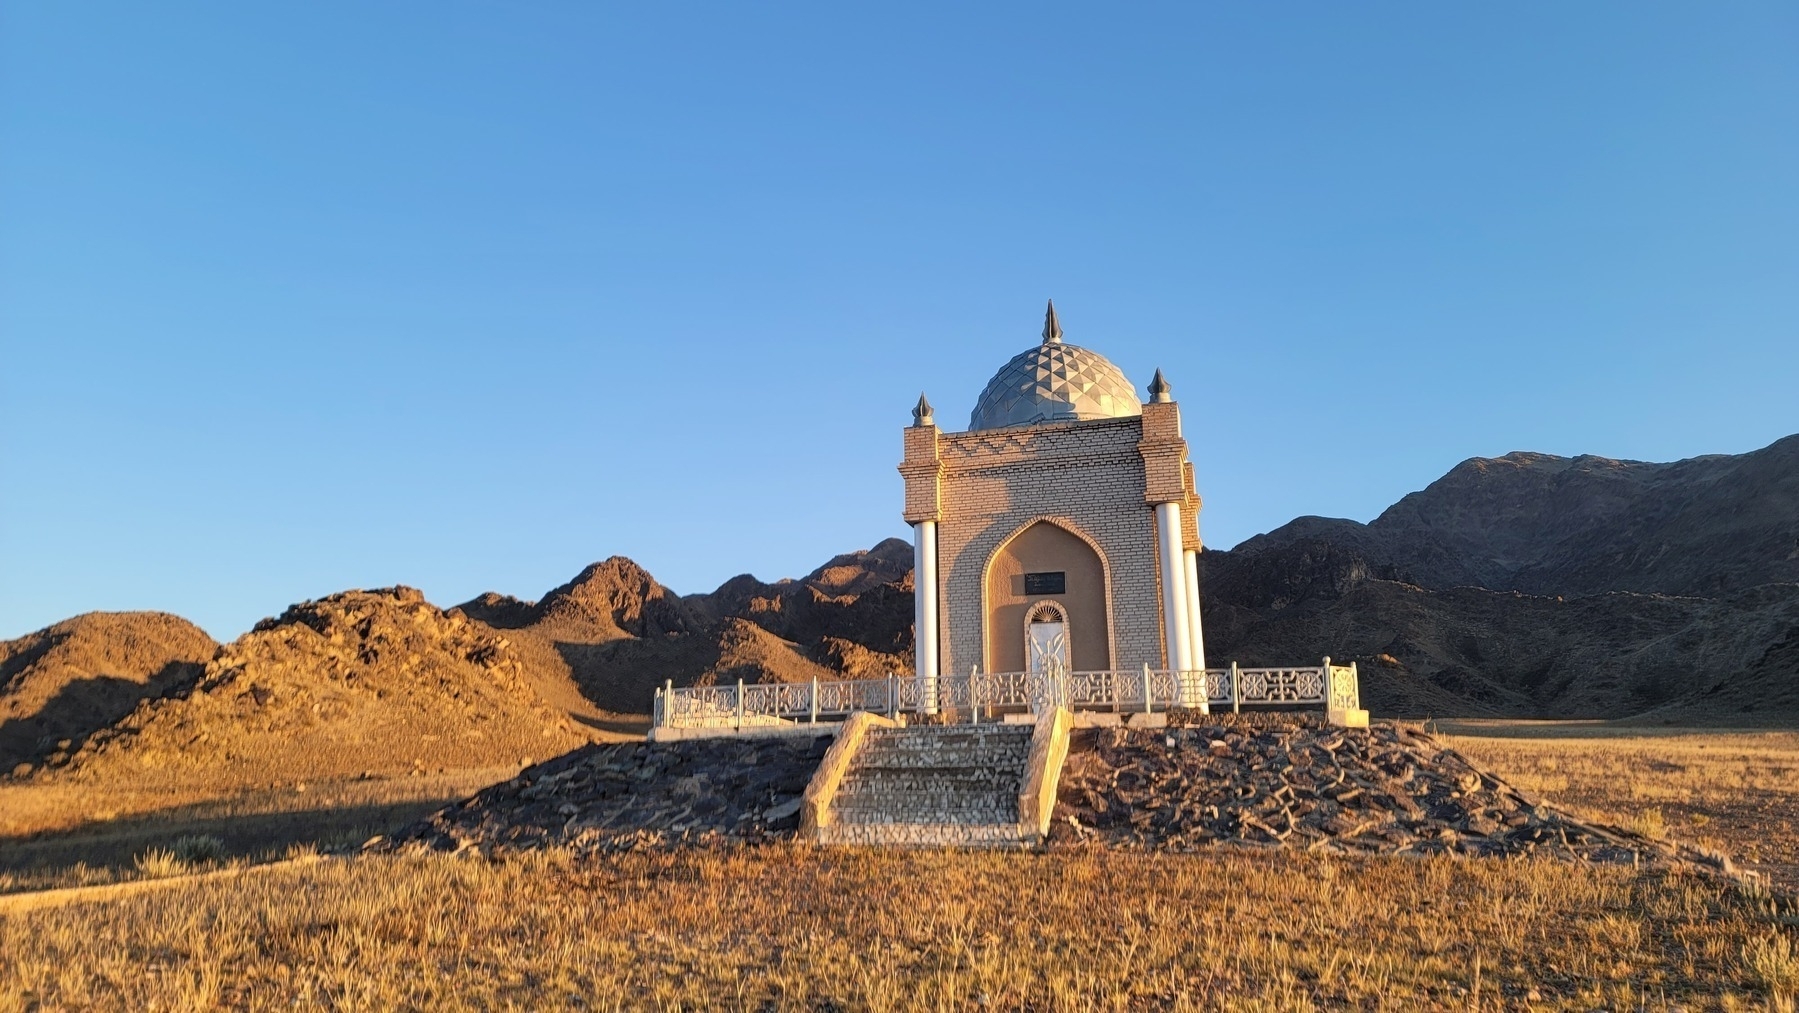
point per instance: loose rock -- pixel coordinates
(1290, 781)
(628, 796)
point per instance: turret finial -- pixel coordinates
(1159, 389)
(921, 412)
(1052, 328)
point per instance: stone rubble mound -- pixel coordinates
(627, 796)
(1261, 781)
(1291, 781)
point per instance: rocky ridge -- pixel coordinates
(1473, 651)
(354, 683)
(1547, 525)
(619, 634)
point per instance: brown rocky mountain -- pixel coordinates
(362, 682)
(1473, 651)
(383, 682)
(84, 673)
(619, 634)
(1584, 525)
(1542, 586)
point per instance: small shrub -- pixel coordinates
(199, 849)
(1772, 963)
(1651, 823)
(158, 863)
(301, 849)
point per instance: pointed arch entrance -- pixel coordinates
(1046, 576)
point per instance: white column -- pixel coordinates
(924, 612)
(1174, 586)
(1196, 645)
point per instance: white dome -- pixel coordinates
(1054, 382)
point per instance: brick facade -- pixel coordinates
(1098, 479)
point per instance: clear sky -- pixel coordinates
(307, 296)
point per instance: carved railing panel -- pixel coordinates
(1345, 693)
(981, 693)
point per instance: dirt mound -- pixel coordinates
(68, 680)
(377, 682)
(631, 795)
(1291, 783)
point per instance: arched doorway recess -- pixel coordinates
(1043, 570)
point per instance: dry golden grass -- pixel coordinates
(1737, 791)
(58, 832)
(790, 928)
(123, 827)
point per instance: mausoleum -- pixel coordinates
(1058, 532)
(1056, 545)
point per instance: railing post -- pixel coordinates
(892, 697)
(740, 705)
(974, 707)
(815, 699)
(1236, 692)
(1146, 707)
(668, 702)
(1327, 682)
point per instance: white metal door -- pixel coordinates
(1048, 644)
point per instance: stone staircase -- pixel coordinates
(932, 785)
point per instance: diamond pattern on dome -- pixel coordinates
(1054, 382)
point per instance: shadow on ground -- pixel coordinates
(116, 844)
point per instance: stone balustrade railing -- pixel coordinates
(981, 696)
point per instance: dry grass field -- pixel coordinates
(781, 928)
(67, 835)
(1737, 791)
(786, 928)
(63, 833)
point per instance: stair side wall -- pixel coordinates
(1042, 774)
(815, 804)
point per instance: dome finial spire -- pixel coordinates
(921, 412)
(1159, 391)
(1052, 328)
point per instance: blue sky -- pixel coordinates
(301, 297)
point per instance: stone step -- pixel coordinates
(930, 737)
(864, 797)
(951, 756)
(965, 802)
(904, 810)
(922, 835)
(925, 814)
(893, 780)
(944, 751)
